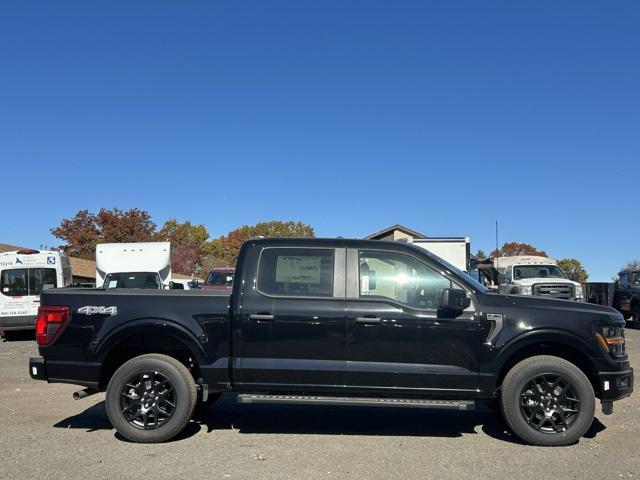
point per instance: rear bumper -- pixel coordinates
(86, 374)
(616, 385)
(24, 322)
(37, 369)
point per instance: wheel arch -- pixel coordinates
(150, 335)
(555, 343)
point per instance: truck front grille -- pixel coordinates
(554, 290)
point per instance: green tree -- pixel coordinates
(574, 269)
(85, 230)
(481, 255)
(224, 250)
(512, 249)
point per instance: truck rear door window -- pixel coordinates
(296, 272)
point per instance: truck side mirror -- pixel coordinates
(454, 300)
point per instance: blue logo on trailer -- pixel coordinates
(51, 260)
(18, 261)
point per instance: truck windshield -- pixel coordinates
(147, 280)
(220, 278)
(537, 271)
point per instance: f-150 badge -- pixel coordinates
(98, 310)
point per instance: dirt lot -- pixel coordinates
(45, 434)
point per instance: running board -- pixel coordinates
(358, 401)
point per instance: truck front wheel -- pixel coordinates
(151, 398)
(547, 401)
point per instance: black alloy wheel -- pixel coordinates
(550, 403)
(148, 400)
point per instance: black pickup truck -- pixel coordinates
(335, 321)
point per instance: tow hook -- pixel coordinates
(607, 408)
(87, 392)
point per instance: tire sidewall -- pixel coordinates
(185, 400)
(582, 386)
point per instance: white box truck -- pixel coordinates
(133, 265)
(455, 250)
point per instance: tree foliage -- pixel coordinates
(574, 269)
(190, 245)
(515, 249)
(481, 255)
(225, 249)
(632, 265)
(85, 230)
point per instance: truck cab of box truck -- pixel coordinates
(537, 276)
(143, 265)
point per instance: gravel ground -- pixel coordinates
(45, 434)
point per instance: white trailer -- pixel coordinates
(455, 250)
(24, 274)
(133, 265)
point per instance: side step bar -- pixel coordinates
(358, 401)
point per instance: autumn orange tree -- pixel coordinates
(85, 230)
(225, 249)
(513, 249)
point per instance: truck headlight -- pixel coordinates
(612, 340)
(525, 289)
(579, 293)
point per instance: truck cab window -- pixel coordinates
(400, 278)
(296, 272)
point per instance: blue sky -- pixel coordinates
(347, 115)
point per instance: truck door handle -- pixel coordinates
(261, 317)
(368, 319)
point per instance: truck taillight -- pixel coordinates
(49, 323)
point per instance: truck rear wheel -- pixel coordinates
(151, 398)
(547, 401)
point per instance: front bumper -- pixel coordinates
(616, 385)
(37, 368)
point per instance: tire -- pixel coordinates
(538, 401)
(150, 398)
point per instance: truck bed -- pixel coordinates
(199, 318)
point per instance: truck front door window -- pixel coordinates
(296, 272)
(400, 278)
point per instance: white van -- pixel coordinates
(23, 275)
(133, 265)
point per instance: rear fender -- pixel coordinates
(158, 326)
